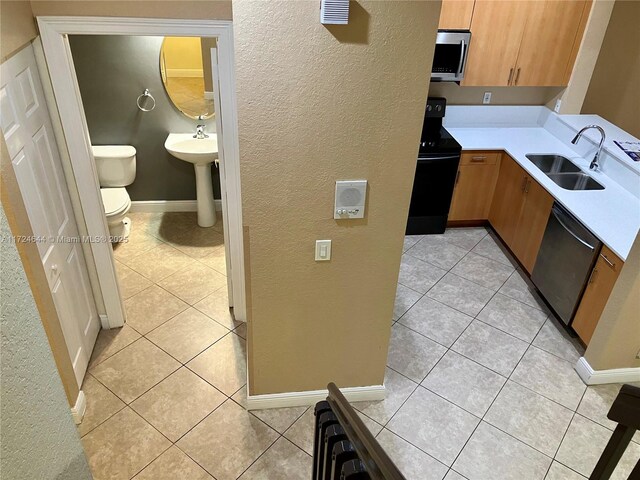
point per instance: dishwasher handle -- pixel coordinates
(559, 214)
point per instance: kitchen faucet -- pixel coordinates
(594, 163)
(200, 132)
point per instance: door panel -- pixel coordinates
(496, 33)
(27, 128)
(473, 192)
(456, 14)
(508, 200)
(547, 43)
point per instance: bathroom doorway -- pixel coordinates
(154, 217)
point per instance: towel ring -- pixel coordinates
(146, 94)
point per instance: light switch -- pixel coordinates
(323, 250)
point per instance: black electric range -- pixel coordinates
(436, 172)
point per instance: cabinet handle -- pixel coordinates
(510, 76)
(609, 262)
(592, 277)
(457, 177)
(517, 76)
(479, 159)
(524, 183)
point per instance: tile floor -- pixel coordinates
(480, 380)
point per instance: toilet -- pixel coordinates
(116, 165)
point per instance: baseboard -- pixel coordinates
(598, 377)
(311, 397)
(184, 72)
(158, 206)
(208, 95)
(77, 411)
(104, 321)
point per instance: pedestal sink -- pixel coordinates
(202, 152)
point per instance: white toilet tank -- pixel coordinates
(116, 164)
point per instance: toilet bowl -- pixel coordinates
(116, 166)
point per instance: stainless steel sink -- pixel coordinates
(575, 181)
(563, 172)
(552, 163)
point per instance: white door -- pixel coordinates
(27, 130)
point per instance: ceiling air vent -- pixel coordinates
(334, 12)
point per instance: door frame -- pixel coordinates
(54, 31)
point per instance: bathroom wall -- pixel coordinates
(112, 72)
(38, 437)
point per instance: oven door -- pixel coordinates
(450, 55)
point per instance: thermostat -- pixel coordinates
(350, 199)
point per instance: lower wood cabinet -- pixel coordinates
(475, 184)
(520, 211)
(603, 277)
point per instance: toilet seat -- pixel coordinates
(115, 200)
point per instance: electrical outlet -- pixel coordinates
(558, 105)
(487, 98)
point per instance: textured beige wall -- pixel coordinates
(614, 91)
(457, 95)
(616, 340)
(17, 26)
(317, 104)
(211, 9)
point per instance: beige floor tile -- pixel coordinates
(187, 334)
(466, 238)
(410, 241)
(224, 364)
(453, 475)
(483, 271)
(282, 460)
(196, 241)
(194, 283)
(554, 339)
(518, 287)
(178, 403)
(151, 308)
(433, 424)
(228, 441)
(492, 454)
(160, 262)
(130, 281)
(514, 317)
(301, 432)
(412, 462)
(461, 294)
(216, 306)
(173, 465)
(112, 341)
(280, 419)
(596, 402)
(241, 330)
(557, 471)
(101, 404)
(435, 250)
(122, 446)
(550, 376)
(135, 369)
(418, 275)
(137, 244)
(216, 260)
(405, 298)
(489, 247)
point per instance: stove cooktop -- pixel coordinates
(438, 142)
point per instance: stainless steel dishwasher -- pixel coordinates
(566, 257)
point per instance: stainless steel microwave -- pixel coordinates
(450, 56)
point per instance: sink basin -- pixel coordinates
(192, 150)
(552, 163)
(201, 152)
(575, 181)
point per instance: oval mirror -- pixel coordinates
(185, 67)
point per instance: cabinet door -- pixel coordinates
(532, 223)
(474, 188)
(496, 32)
(456, 14)
(551, 30)
(603, 278)
(508, 199)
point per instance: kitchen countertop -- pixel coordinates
(612, 214)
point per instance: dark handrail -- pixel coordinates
(378, 464)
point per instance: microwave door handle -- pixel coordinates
(557, 214)
(463, 48)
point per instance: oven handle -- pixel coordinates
(557, 214)
(461, 64)
(442, 157)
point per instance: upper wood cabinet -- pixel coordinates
(601, 282)
(456, 14)
(475, 184)
(524, 43)
(520, 211)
